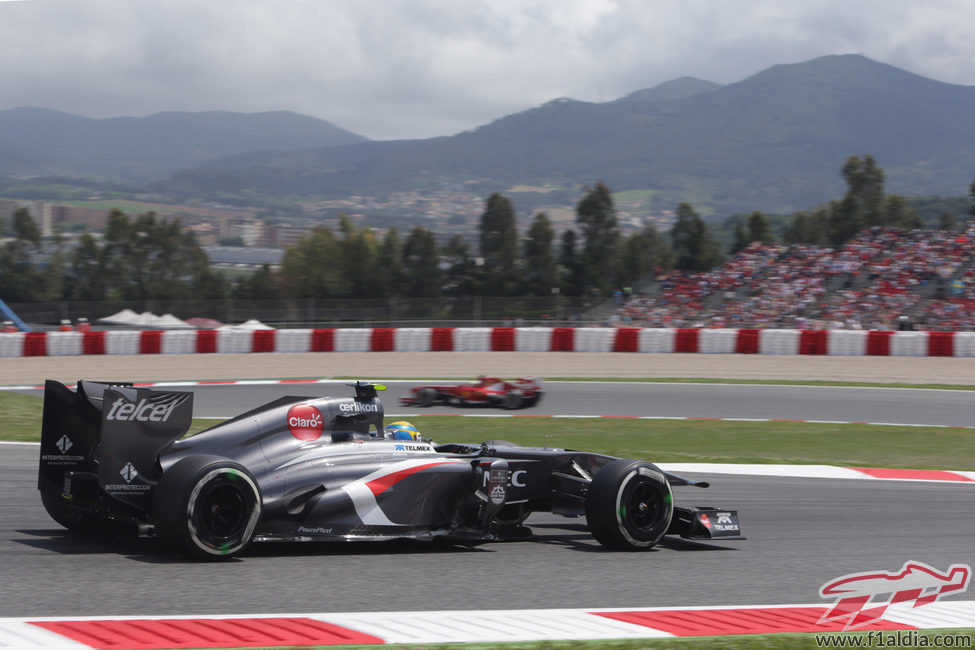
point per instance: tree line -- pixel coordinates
(147, 258)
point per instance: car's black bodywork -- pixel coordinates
(319, 469)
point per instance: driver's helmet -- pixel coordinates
(402, 430)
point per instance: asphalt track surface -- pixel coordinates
(801, 533)
(847, 404)
(834, 403)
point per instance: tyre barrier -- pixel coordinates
(492, 339)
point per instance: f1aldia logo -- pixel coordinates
(305, 422)
(858, 599)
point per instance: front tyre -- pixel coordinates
(629, 505)
(207, 507)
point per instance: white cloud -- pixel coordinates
(418, 68)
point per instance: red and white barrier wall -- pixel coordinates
(492, 339)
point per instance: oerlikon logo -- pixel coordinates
(305, 422)
(916, 583)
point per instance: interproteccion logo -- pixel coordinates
(64, 444)
(862, 598)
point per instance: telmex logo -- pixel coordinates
(144, 411)
(305, 422)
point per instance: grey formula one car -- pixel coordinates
(319, 469)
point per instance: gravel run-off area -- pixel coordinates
(454, 365)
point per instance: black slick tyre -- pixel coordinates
(629, 505)
(513, 399)
(207, 507)
(426, 396)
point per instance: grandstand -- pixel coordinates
(881, 279)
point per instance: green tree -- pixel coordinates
(694, 245)
(421, 264)
(210, 284)
(863, 204)
(25, 228)
(844, 221)
(644, 253)
(741, 240)
(308, 269)
(358, 261)
(971, 194)
(759, 229)
(259, 285)
(570, 269)
(461, 277)
(541, 270)
(808, 228)
(389, 275)
(174, 257)
(115, 253)
(865, 183)
(499, 246)
(87, 271)
(19, 279)
(596, 216)
(53, 282)
(947, 221)
(898, 214)
(149, 258)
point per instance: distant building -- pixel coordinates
(282, 235)
(93, 219)
(241, 257)
(251, 232)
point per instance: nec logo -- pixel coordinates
(145, 410)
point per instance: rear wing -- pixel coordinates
(111, 433)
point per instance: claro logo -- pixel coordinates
(305, 422)
(142, 411)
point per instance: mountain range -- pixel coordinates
(775, 141)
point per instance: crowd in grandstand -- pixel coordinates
(881, 279)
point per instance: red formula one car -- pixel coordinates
(487, 391)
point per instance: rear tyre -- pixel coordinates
(513, 399)
(426, 396)
(207, 507)
(629, 505)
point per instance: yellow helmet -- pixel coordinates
(402, 430)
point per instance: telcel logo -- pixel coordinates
(305, 422)
(143, 411)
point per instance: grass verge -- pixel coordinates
(659, 440)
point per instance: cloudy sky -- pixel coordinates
(419, 68)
